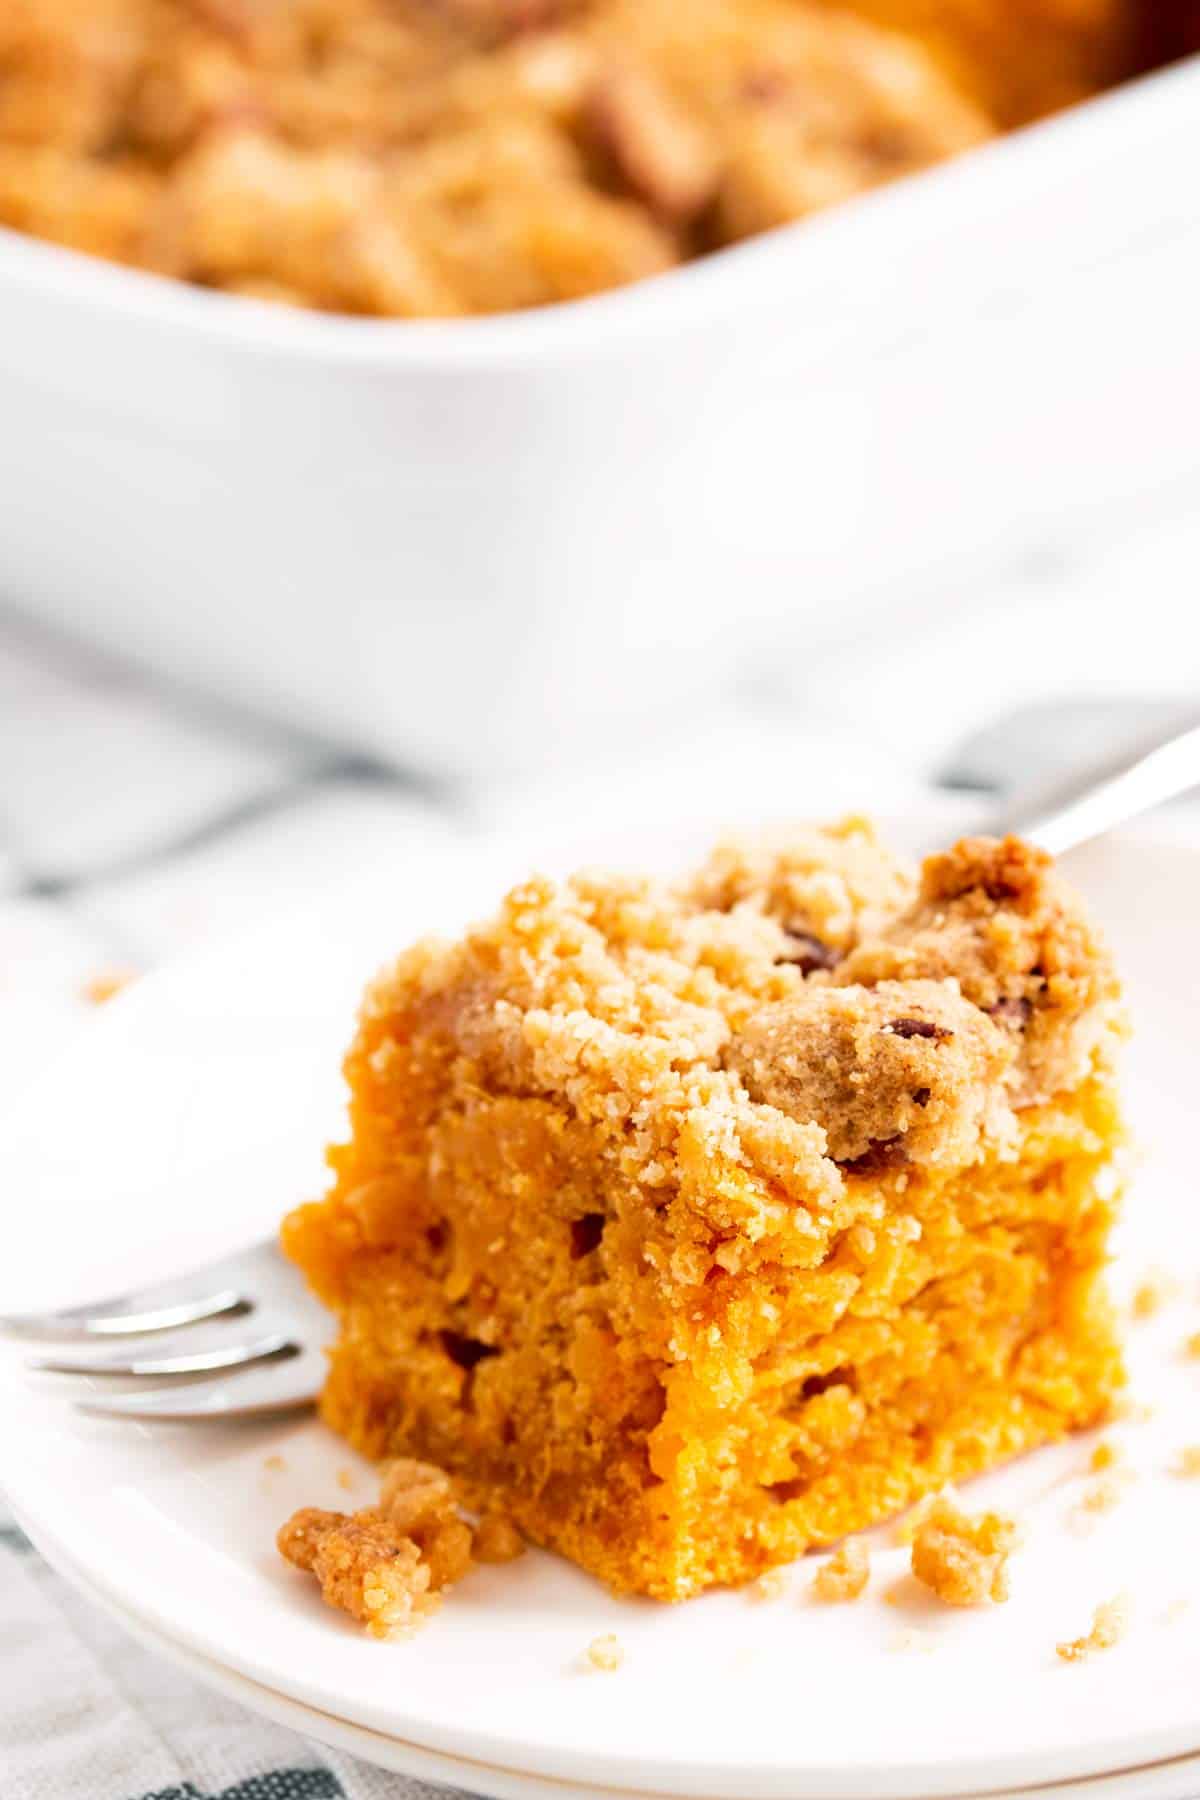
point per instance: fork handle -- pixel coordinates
(1069, 810)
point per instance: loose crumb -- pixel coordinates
(274, 1462)
(770, 1586)
(1153, 1292)
(605, 1652)
(1187, 1461)
(497, 1540)
(1110, 1622)
(963, 1559)
(1127, 1411)
(345, 1479)
(1104, 1456)
(1102, 1496)
(1191, 1346)
(385, 1565)
(908, 1526)
(844, 1575)
(365, 1565)
(103, 986)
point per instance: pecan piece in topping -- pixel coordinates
(808, 953)
(919, 1028)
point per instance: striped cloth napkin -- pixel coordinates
(86, 1713)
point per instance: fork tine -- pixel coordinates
(274, 1347)
(92, 1322)
(235, 1285)
(274, 1387)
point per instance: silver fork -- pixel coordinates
(279, 1367)
(261, 1353)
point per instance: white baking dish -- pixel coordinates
(465, 544)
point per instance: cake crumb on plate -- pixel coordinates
(1187, 1461)
(1155, 1290)
(772, 1585)
(385, 1565)
(961, 1558)
(1110, 1622)
(844, 1575)
(605, 1652)
(98, 989)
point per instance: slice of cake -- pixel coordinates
(694, 1224)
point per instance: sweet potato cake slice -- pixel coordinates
(694, 1224)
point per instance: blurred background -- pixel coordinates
(782, 512)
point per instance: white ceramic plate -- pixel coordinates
(194, 1112)
(1177, 1779)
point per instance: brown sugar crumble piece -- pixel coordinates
(605, 1652)
(1110, 1622)
(844, 1575)
(963, 1559)
(385, 1565)
(365, 1565)
(771, 1585)
(785, 1247)
(1105, 1456)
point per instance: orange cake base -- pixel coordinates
(696, 1225)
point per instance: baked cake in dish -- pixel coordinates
(439, 158)
(694, 1224)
